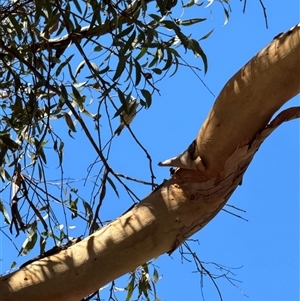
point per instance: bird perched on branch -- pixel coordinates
(127, 115)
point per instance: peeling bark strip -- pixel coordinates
(226, 144)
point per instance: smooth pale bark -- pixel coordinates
(250, 98)
(227, 142)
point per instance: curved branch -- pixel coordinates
(181, 206)
(245, 105)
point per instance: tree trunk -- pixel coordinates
(208, 173)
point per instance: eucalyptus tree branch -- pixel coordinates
(191, 198)
(58, 92)
(62, 43)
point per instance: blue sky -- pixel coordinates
(266, 248)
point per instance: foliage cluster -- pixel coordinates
(124, 49)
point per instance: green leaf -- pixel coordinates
(112, 184)
(128, 45)
(89, 114)
(145, 267)
(40, 169)
(5, 213)
(79, 85)
(64, 94)
(171, 25)
(130, 70)
(120, 67)
(226, 16)
(142, 53)
(4, 174)
(162, 6)
(176, 64)
(192, 21)
(103, 192)
(122, 99)
(169, 60)
(31, 239)
(130, 287)
(207, 35)
(103, 71)
(140, 38)
(155, 275)
(155, 17)
(157, 71)
(148, 97)
(125, 32)
(78, 98)
(73, 207)
(191, 3)
(138, 72)
(42, 154)
(32, 229)
(13, 264)
(69, 121)
(60, 152)
(95, 67)
(77, 6)
(143, 287)
(79, 68)
(63, 64)
(28, 244)
(98, 48)
(42, 244)
(158, 56)
(195, 47)
(88, 211)
(5, 140)
(44, 208)
(96, 15)
(52, 24)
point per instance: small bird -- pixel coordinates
(127, 115)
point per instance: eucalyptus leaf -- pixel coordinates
(148, 97)
(69, 122)
(120, 67)
(4, 212)
(79, 68)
